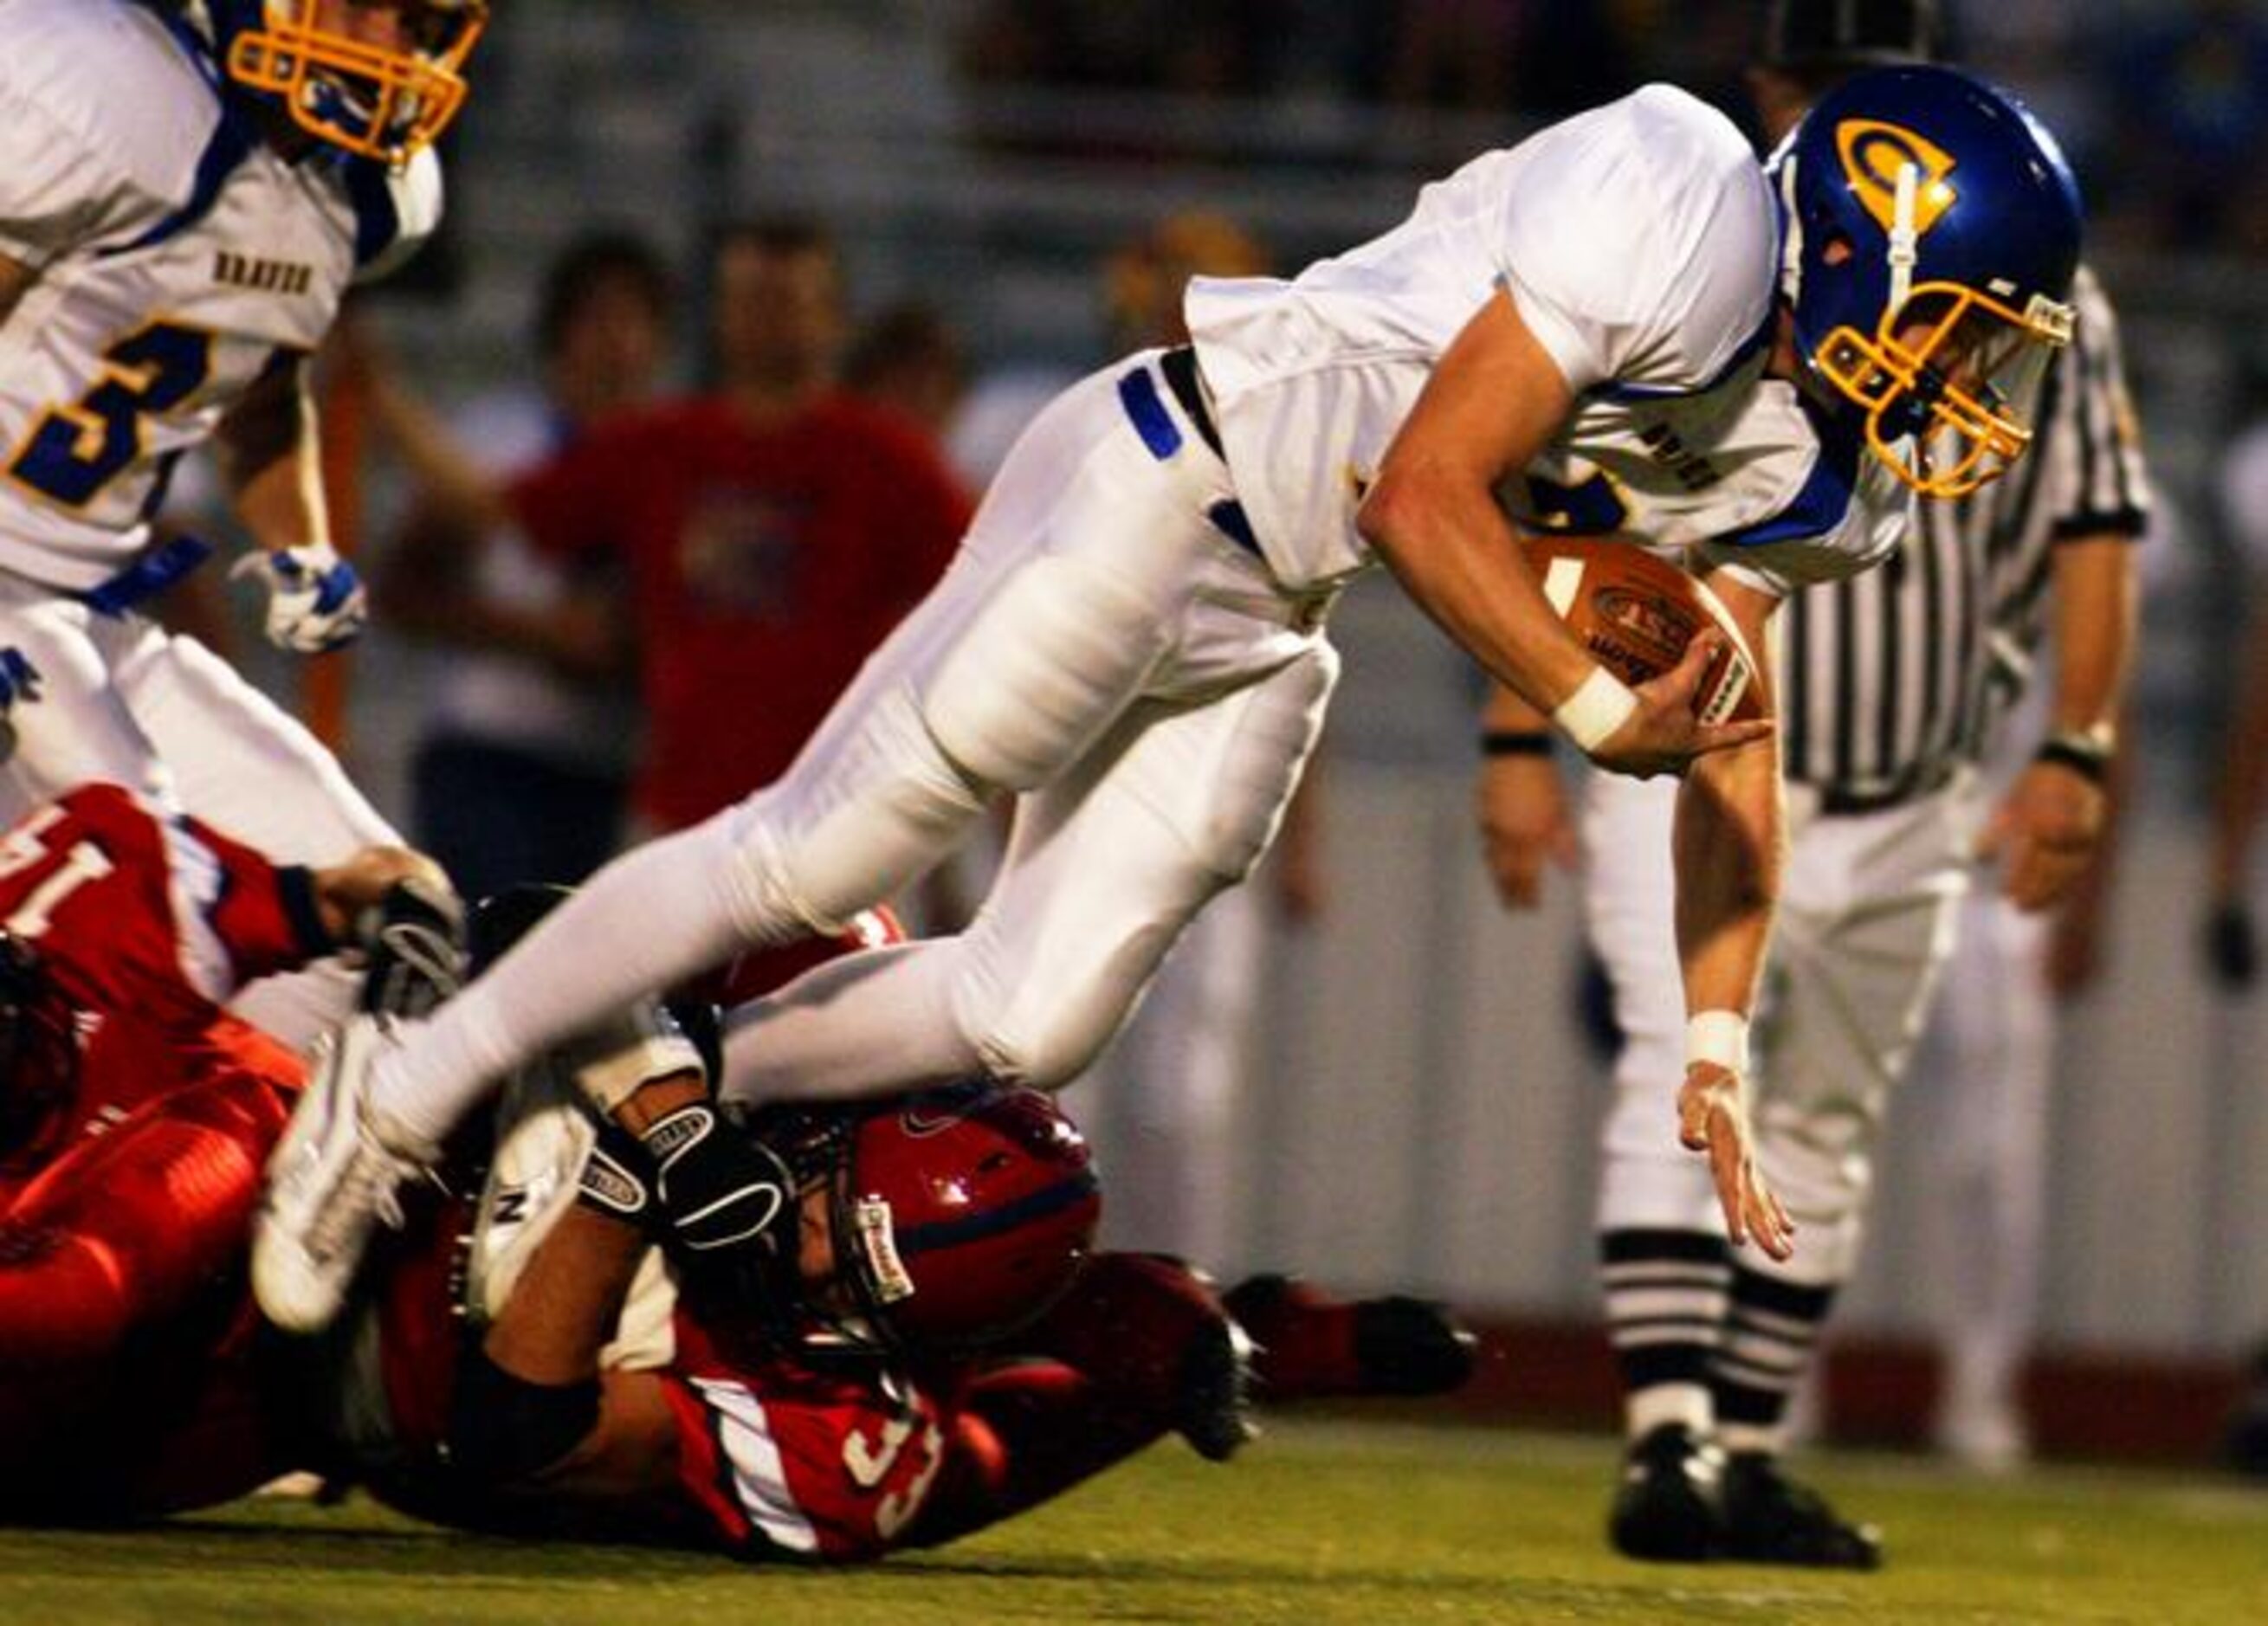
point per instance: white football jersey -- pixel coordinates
(178, 256)
(1641, 242)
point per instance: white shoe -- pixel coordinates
(331, 1181)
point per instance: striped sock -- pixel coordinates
(1666, 1295)
(1771, 1329)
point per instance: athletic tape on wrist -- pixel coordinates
(1718, 1036)
(1601, 704)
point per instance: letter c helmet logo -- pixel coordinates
(1873, 153)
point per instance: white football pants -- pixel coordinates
(1161, 1108)
(1102, 649)
(119, 698)
(1868, 908)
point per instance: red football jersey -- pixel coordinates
(767, 560)
(781, 1454)
(147, 923)
(774, 1455)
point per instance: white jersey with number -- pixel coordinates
(1641, 243)
(176, 256)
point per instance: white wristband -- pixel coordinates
(1718, 1036)
(1601, 704)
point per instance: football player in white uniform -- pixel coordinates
(1623, 323)
(185, 192)
(1890, 686)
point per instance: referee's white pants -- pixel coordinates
(1868, 908)
(1983, 1075)
(119, 699)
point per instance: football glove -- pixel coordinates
(414, 939)
(315, 599)
(721, 1191)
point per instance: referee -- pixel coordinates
(1893, 683)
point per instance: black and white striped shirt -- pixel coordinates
(1896, 677)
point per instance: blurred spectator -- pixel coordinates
(773, 528)
(529, 737)
(911, 359)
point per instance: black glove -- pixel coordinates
(723, 1193)
(414, 939)
(2231, 947)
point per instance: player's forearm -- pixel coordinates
(1445, 541)
(268, 459)
(564, 1307)
(2096, 599)
(1728, 846)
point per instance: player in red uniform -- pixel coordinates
(135, 1116)
(852, 1422)
(946, 1355)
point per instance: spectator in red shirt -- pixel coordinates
(773, 527)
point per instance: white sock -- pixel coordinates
(655, 916)
(870, 1024)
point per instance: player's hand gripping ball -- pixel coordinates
(1636, 613)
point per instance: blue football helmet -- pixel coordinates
(377, 78)
(1931, 230)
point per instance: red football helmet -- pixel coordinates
(38, 1055)
(959, 1216)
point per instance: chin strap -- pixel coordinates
(1905, 241)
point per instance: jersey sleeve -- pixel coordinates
(2097, 480)
(1637, 242)
(56, 189)
(263, 915)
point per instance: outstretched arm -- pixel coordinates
(1729, 848)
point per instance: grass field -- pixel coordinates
(1316, 1524)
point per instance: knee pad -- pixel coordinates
(839, 837)
(1044, 1030)
(1041, 671)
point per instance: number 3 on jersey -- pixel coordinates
(74, 451)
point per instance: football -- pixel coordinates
(1636, 613)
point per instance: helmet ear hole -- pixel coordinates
(1837, 250)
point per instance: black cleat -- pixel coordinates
(1668, 1508)
(1213, 1391)
(1410, 1346)
(1770, 1519)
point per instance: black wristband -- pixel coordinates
(1516, 742)
(2089, 763)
